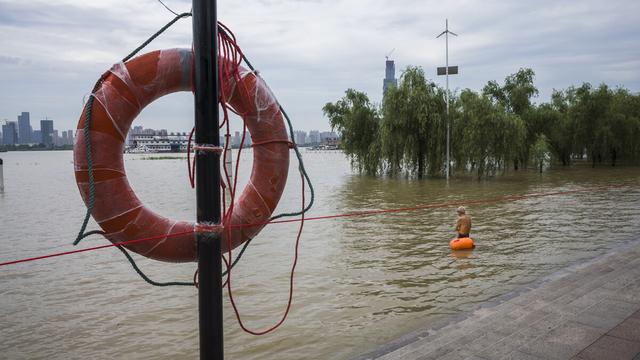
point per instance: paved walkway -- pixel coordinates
(586, 311)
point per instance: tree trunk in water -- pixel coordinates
(593, 160)
(420, 165)
(540, 167)
(515, 164)
(613, 158)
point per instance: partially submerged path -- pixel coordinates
(586, 311)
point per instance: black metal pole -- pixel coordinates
(208, 177)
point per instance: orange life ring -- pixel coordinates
(462, 244)
(125, 90)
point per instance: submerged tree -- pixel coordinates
(413, 126)
(515, 96)
(540, 152)
(490, 130)
(357, 121)
(485, 135)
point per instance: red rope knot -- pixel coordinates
(286, 141)
(208, 147)
(208, 228)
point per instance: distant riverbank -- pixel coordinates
(39, 147)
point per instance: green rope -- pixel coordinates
(87, 121)
(301, 167)
(135, 266)
(91, 200)
(149, 40)
(146, 278)
(87, 141)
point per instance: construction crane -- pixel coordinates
(389, 53)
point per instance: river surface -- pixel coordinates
(360, 281)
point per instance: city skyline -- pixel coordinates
(235, 126)
(21, 132)
(564, 43)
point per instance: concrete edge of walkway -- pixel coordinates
(434, 327)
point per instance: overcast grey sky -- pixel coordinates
(311, 51)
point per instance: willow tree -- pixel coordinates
(485, 135)
(624, 127)
(540, 152)
(357, 121)
(560, 131)
(589, 109)
(413, 128)
(515, 96)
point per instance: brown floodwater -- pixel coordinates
(360, 281)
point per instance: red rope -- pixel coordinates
(122, 243)
(191, 167)
(435, 206)
(352, 214)
(291, 278)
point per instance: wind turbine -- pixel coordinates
(446, 71)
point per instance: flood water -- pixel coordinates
(360, 281)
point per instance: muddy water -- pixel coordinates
(361, 281)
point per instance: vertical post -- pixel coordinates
(446, 33)
(205, 84)
(1, 178)
(446, 40)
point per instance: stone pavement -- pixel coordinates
(586, 311)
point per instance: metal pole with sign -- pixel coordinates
(446, 71)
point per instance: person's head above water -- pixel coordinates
(461, 210)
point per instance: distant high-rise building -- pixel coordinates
(24, 128)
(46, 131)
(70, 136)
(56, 138)
(236, 139)
(389, 76)
(314, 137)
(301, 137)
(10, 133)
(327, 135)
(36, 136)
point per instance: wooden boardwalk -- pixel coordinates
(586, 311)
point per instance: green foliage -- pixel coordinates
(358, 123)
(486, 136)
(516, 93)
(489, 131)
(540, 151)
(413, 125)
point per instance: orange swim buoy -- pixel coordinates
(462, 244)
(124, 91)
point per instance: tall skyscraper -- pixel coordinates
(56, 138)
(389, 76)
(46, 131)
(70, 136)
(24, 128)
(301, 137)
(10, 133)
(36, 136)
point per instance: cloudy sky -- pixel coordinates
(310, 51)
